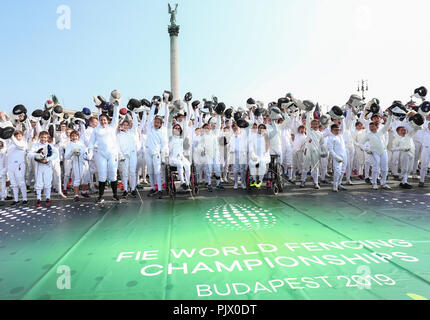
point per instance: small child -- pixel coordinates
(3, 167)
(336, 147)
(16, 166)
(404, 144)
(75, 152)
(43, 153)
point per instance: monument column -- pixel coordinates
(174, 60)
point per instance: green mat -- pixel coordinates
(354, 246)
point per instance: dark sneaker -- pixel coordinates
(2, 203)
(125, 194)
(220, 187)
(184, 187)
(367, 180)
(85, 195)
(76, 199)
(115, 198)
(210, 189)
(152, 193)
(407, 186)
(160, 194)
(421, 184)
(134, 194)
(25, 202)
(14, 203)
(100, 200)
(38, 203)
(48, 202)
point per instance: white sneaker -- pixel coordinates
(375, 187)
(302, 185)
(335, 189)
(349, 183)
(341, 187)
(243, 186)
(235, 186)
(386, 187)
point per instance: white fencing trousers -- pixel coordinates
(406, 165)
(425, 159)
(379, 163)
(368, 160)
(418, 151)
(339, 168)
(394, 162)
(128, 169)
(81, 174)
(3, 187)
(17, 181)
(56, 170)
(239, 168)
(258, 169)
(182, 163)
(43, 180)
(211, 167)
(350, 158)
(67, 165)
(323, 168)
(107, 167)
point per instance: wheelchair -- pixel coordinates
(173, 185)
(274, 177)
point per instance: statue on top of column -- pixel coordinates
(173, 14)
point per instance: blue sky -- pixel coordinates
(316, 49)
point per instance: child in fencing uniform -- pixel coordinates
(209, 148)
(43, 153)
(377, 148)
(338, 150)
(298, 151)
(155, 147)
(259, 155)
(77, 154)
(404, 144)
(425, 152)
(128, 148)
(176, 151)
(238, 150)
(104, 137)
(3, 171)
(314, 147)
(357, 135)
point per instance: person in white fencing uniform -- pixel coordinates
(85, 136)
(67, 163)
(339, 153)
(404, 144)
(178, 132)
(314, 148)
(238, 154)
(377, 148)
(107, 157)
(425, 153)
(156, 142)
(76, 152)
(128, 148)
(259, 155)
(43, 153)
(3, 173)
(298, 151)
(357, 135)
(209, 148)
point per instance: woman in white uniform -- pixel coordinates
(104, 136)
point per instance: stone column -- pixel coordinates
(174, 61)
